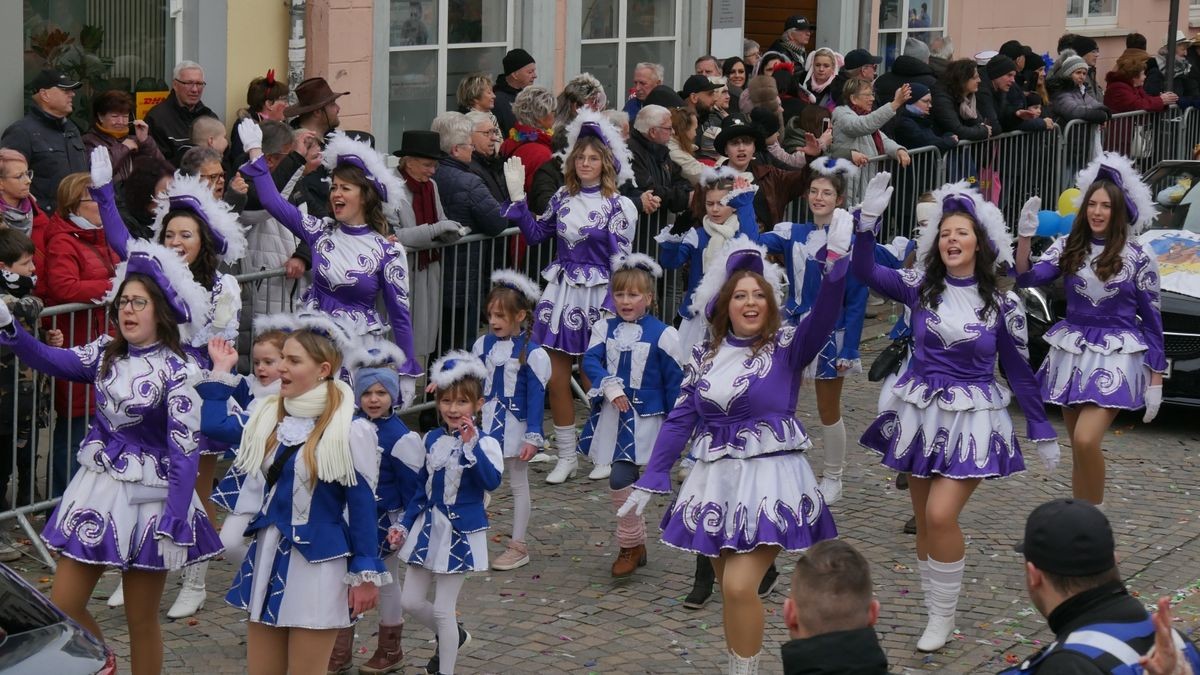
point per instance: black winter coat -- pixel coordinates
(546, 181)
(916, 131)
(491, 171)
(171, 126)
(53, 148)
(947, 121)
(502, 109)
(654, 170)
(846, 652)
(906, 70)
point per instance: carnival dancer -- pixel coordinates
(751, 494)
(1106, 355)
(633, 364)
(132, 504)
(945, 419)
(515, 394)
(802, 246)
(728, 212)
(444, 531)
(204, 232)
(354, 262)
(591, 222)
(313, 564)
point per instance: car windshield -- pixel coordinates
(1174, 239)
(1175, 190)
(22, 609)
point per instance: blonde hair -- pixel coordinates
(322, 350)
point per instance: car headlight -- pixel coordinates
(1037, 306)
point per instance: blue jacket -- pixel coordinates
(520, 388)
(647, 370)
(480, 464)
(677, 250)
(398, 483)
(467, 200)
(916, 131)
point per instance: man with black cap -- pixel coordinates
(793, 44)
(520, 71)
(859, 63)
(1089, 49)
(171, 121)
(1072, 578)
(47, 137)
(699, 95)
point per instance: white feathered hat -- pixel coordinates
(374, 351)
(191, 193)
(711, 174)
(636, 261)
(341, 149)
(960, 197)
(739, 254)
(518, 282)
(348, 342)
(835, 166)
(455, 365)
(188, 300)
(1120, 170)
(591, 123)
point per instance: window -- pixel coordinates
(899, 20)
(1081, 13)
(1194, 11)
(619, 34)
(432, 45)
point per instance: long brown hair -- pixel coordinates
(985, 270)
(512, 302)
(608, 173)
(721, 325)
(165, 324)
(372, 202)
(322, 350)
(1079, 241)
(204, 267)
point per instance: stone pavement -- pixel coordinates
(563, 613)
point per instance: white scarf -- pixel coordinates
(334, 461)
(720, 234)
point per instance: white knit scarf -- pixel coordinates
(334, 461)
(720, 234)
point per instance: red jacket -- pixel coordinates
(531, 146)
(1121, 96)
(79, 267)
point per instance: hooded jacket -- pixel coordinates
(847, 652)
(1069, 101)
(946, 119)
(905, 70)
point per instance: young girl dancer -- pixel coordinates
(737, 407)
(633, 366)
(591, 222)
(518, 370)
(444, 531)
(945, 419)
(132, 504)
(313, 565)
(205, 233)
(1107, 354)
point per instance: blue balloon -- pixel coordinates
(1065, 223)
(1049, 223)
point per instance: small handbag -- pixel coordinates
(890, 359)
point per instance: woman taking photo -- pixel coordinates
(313, 564)
(1106, 355)
(132, 504)
(857, 125)
(591, 222)
(945, 420)
(113, 130)
(737, 408)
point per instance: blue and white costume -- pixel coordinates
(238, 491)
(398, 482)
(636, 359)
(515, 390)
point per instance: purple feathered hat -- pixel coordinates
(737, 255)
(187, 299)
(192, 194)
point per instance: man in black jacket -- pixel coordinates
(171, 121)
(520, 71)
(658, 182)
(912, 67)
(1072, 578)
(47, 137)
(831, 613)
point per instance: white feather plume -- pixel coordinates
(461, 364)
(833, 166)
(715, 276)
(347, 341)
(220, 217)
(341, 145)
(710, 175)
(990, 218)
(639, 261)
(1135, 189)
(612, 138)
(182, 285)
(374, 351)
(519, 282)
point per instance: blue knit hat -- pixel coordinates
(364, 378)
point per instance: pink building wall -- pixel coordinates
(340, 34)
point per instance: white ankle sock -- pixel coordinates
(945, 583)
(834, 436)
(564, 440)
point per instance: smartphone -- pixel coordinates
(826, 125)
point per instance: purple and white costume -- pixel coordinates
(947, 414)
(751, 485)
(589, 229)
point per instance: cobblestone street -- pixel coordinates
(563, 612)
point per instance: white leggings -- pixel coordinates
(518, 481)
(391, 611)
(438, 615)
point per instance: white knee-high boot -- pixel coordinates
(568, 463)
(945, 583)
(834, 437)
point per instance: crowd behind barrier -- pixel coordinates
(1007, 168)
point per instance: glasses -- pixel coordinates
(26, 174)
(213, 177)
(488, 132)
(138, 303)
(667, 128)
(198, 84)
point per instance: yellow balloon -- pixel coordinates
(1068, 202)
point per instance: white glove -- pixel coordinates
(408, 390)
(173, 555)
(447, 231)
(841, 228)
(875, 201)
(637, 501)
(1153, 402)
(514, 178)
(251, 134)
(1027, 222)
(1050, 453)
(6, 317)
(101, 167)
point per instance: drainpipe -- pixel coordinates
(296, 47)
(864, 23)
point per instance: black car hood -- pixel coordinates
(1181, 313)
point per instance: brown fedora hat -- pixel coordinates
(312, 94)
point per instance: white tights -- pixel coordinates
(438, 615)
(391, 612)
(518, 481)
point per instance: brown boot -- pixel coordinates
(388, 654)
(628, 560)
(342, 658)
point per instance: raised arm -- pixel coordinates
(483, 462)
(1027, 224)
(101, 190)
(307, 228)
(898, 285)
(813, 331)
(536, 230)
(183, 437)
(77, 364)
(1045, 270)
(216, 422)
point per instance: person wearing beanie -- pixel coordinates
(1014, 50)
(520, 71)
(1009, 99)
(913, 128)
(1034, 75)
(1069, 99)
(910, 68)
(1087, 48)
